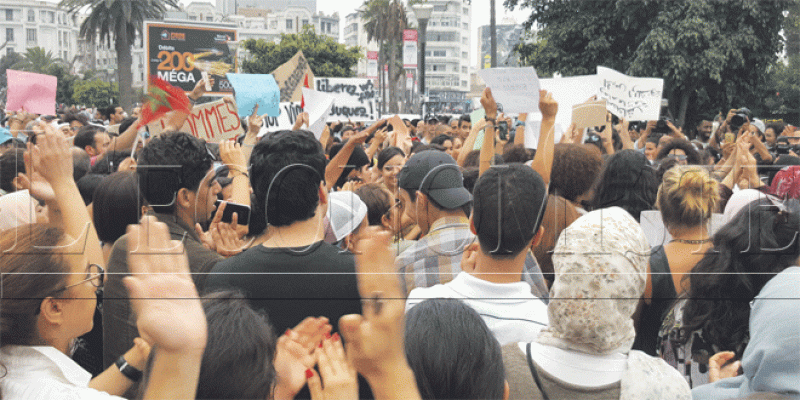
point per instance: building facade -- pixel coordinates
(356, 35)
(509, 34)
(27, 24)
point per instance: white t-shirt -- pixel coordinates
(510, 311)
(42, 372)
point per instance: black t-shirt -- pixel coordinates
(290, 284)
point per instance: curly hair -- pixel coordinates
(692, 155)
(575, 168)
(170, 162)
(757, 244)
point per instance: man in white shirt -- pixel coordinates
(490, 282)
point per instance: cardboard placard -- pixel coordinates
(589, 114)
(290, 77)
(318, 107)
(214, 121)
(355, 98)
(256, 90)
(35, 93)
(569, 92)
(288, 115)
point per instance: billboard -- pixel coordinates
(182, 54)
(410, 48)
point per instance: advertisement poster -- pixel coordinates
(410, 48)
(184, 54)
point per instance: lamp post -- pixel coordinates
(423, 13)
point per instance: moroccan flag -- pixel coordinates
(162, 98)
(303, 99)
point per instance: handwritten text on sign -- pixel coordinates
(286, 119)
(635, 99)
(517, 89)
(355, 98)
(212, 121)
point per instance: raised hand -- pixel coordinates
(162, 294)
(295, 355)
(200, 88)
(547, 104)
(230, 153)
(718, 370)
(337, 377)
(489, 104)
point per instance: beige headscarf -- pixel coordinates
(600, 264)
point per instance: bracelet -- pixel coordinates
(492, 120)
(128, 370)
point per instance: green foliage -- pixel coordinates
(325, 56)
(36, 59)
(5, 63)
(95, 93)
(713, 55)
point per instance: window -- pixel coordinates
(440, 8)
(464, 83)
(210, 18)
(9, 50)
(192, 18)
(31, 16)
(9, 14)
(31, 35)
(51, 17)
(66, 55)
(10, 34)
(463, 70)
(464, 54)
(289, 24)
(465, 25)
(465, 10)
(305, 22)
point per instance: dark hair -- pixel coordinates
(295, 192)
(85, 136)
(240, 351)
(517, 153)
(387, 154)
(626, 181)
(31, 272)
(558, 214)
(417, 147)
(575, 167)
(117, 204)
(127, 122)
(464, 118)
(108, 111)
(518, 194)
(378, 200)
(160, 179)
(110, 162)
(654, 138)
(777, 127)
(692, 156)
(745, 256)
(470, 177)
(70, 117)
(12, 162)
(87, 185)
(81, 163)
(440, 139)
(358, 158)
(452, 352)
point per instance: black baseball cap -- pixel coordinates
(436, 175)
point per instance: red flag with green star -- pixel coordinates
(162, 98)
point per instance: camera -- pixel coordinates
(782, 146)
(741, 116)
(661, 126)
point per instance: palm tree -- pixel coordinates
(36, 59)
(385, 21)
(122, 21)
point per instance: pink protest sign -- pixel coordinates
(35, 93)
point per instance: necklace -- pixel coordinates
(689, 241)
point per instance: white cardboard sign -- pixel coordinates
(516, 89)
(635, 99)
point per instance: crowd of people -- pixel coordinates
(399, 259)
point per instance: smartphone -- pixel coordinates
(241, 210)
(502, 130)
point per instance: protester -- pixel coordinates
(627, 181)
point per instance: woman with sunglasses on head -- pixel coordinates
(384, 210)
(51, 274)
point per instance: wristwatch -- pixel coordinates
(128, 370)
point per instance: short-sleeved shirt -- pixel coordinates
(436, 258)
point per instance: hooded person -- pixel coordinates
(600, 264)
(771, 358)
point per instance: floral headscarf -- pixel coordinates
(600, 263)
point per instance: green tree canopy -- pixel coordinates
(37, 59)
(325, 56)
(95, 93)
(712, 55)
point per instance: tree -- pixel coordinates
(122, 21)
(385, 21)
(325, 56)
(96, 93)
(713, 55)
(37, 59)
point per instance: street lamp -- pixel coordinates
(423, 13)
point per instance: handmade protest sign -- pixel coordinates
(517, 89)
(288, 115)
(255, 89)
(318, 107)
(34, 93)
(568, 92)
(290, 77)
(212, 121)
(635, 99)
(355, 98)
(591, 113)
